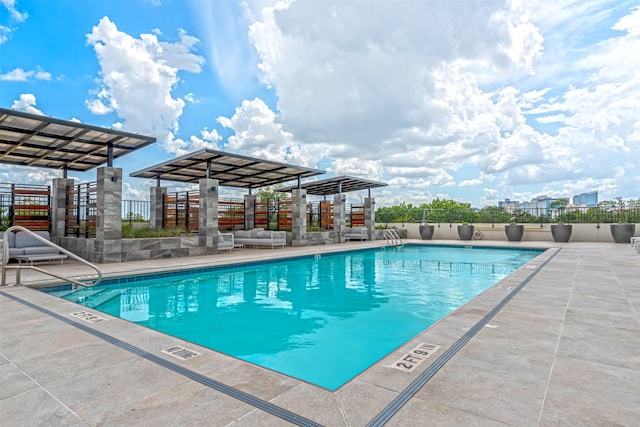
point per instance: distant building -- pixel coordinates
(589, 200)
(510, 205)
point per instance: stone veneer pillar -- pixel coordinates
(370, 216)
(299, 217)
(339, 217)
(156, 198)
(249, 211)
(208, 215)
(109, 215)
(59, 207)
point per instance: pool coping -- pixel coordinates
(444, 333)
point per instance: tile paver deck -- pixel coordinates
(564, 351)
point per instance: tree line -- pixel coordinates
(450, 211)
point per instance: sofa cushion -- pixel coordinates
(24, 240)
(37, 250)
(243, 234)
(263, 234)
(15, 251)
(11, 239)
(255, 233)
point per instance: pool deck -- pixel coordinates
(564, 350)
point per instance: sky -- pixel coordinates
(470, 100)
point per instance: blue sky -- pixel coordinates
(469, 100)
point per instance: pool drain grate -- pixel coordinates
(180, 352)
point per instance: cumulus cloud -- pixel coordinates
(412, 93)
(179, 147)
(137, 78)
(397, 87)
(20, 75)
(26, 103)
(257, 133)
(30, 175)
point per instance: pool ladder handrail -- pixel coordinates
(5, 260)
(392, 237)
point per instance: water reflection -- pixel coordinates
(269, 308)
(273, 306)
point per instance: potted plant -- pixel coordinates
(465, 231)
(426, 230)
(622, 233)
(561, 231)
(514, 231)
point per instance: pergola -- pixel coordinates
(231, 170)
(336, 185)
(41, 141)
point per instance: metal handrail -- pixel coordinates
(5, 260)
(392, 236)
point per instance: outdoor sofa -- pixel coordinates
(260, 237)
(356, 233)
(24, 247)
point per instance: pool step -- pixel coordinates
(83, 294)
(61, 294)
(101, 298)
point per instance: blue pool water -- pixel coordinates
(322, 319)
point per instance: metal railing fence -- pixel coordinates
(136, 211)
(541, 216)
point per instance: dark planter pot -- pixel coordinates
(622, 233)
(426, 232)
(465, 232)
(561, 232)
(514, 232)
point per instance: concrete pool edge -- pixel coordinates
(118, 327)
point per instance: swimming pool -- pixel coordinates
(322, 319)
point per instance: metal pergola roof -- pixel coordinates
(336, 185)
(42, 141)
(231, 170)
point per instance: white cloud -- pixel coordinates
(483, 178)
(179, 147)
(20, 75)
(31, 175)
(405, 95)
(518, 89)
(257, 133)
(26, 103)
(137, 78)
(18, 16)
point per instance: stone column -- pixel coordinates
(59, 207)
(208, 215)
(156, 198)
(109, 214)
(339, 217)
(249, 211)
(370, 216)
(299, 220)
